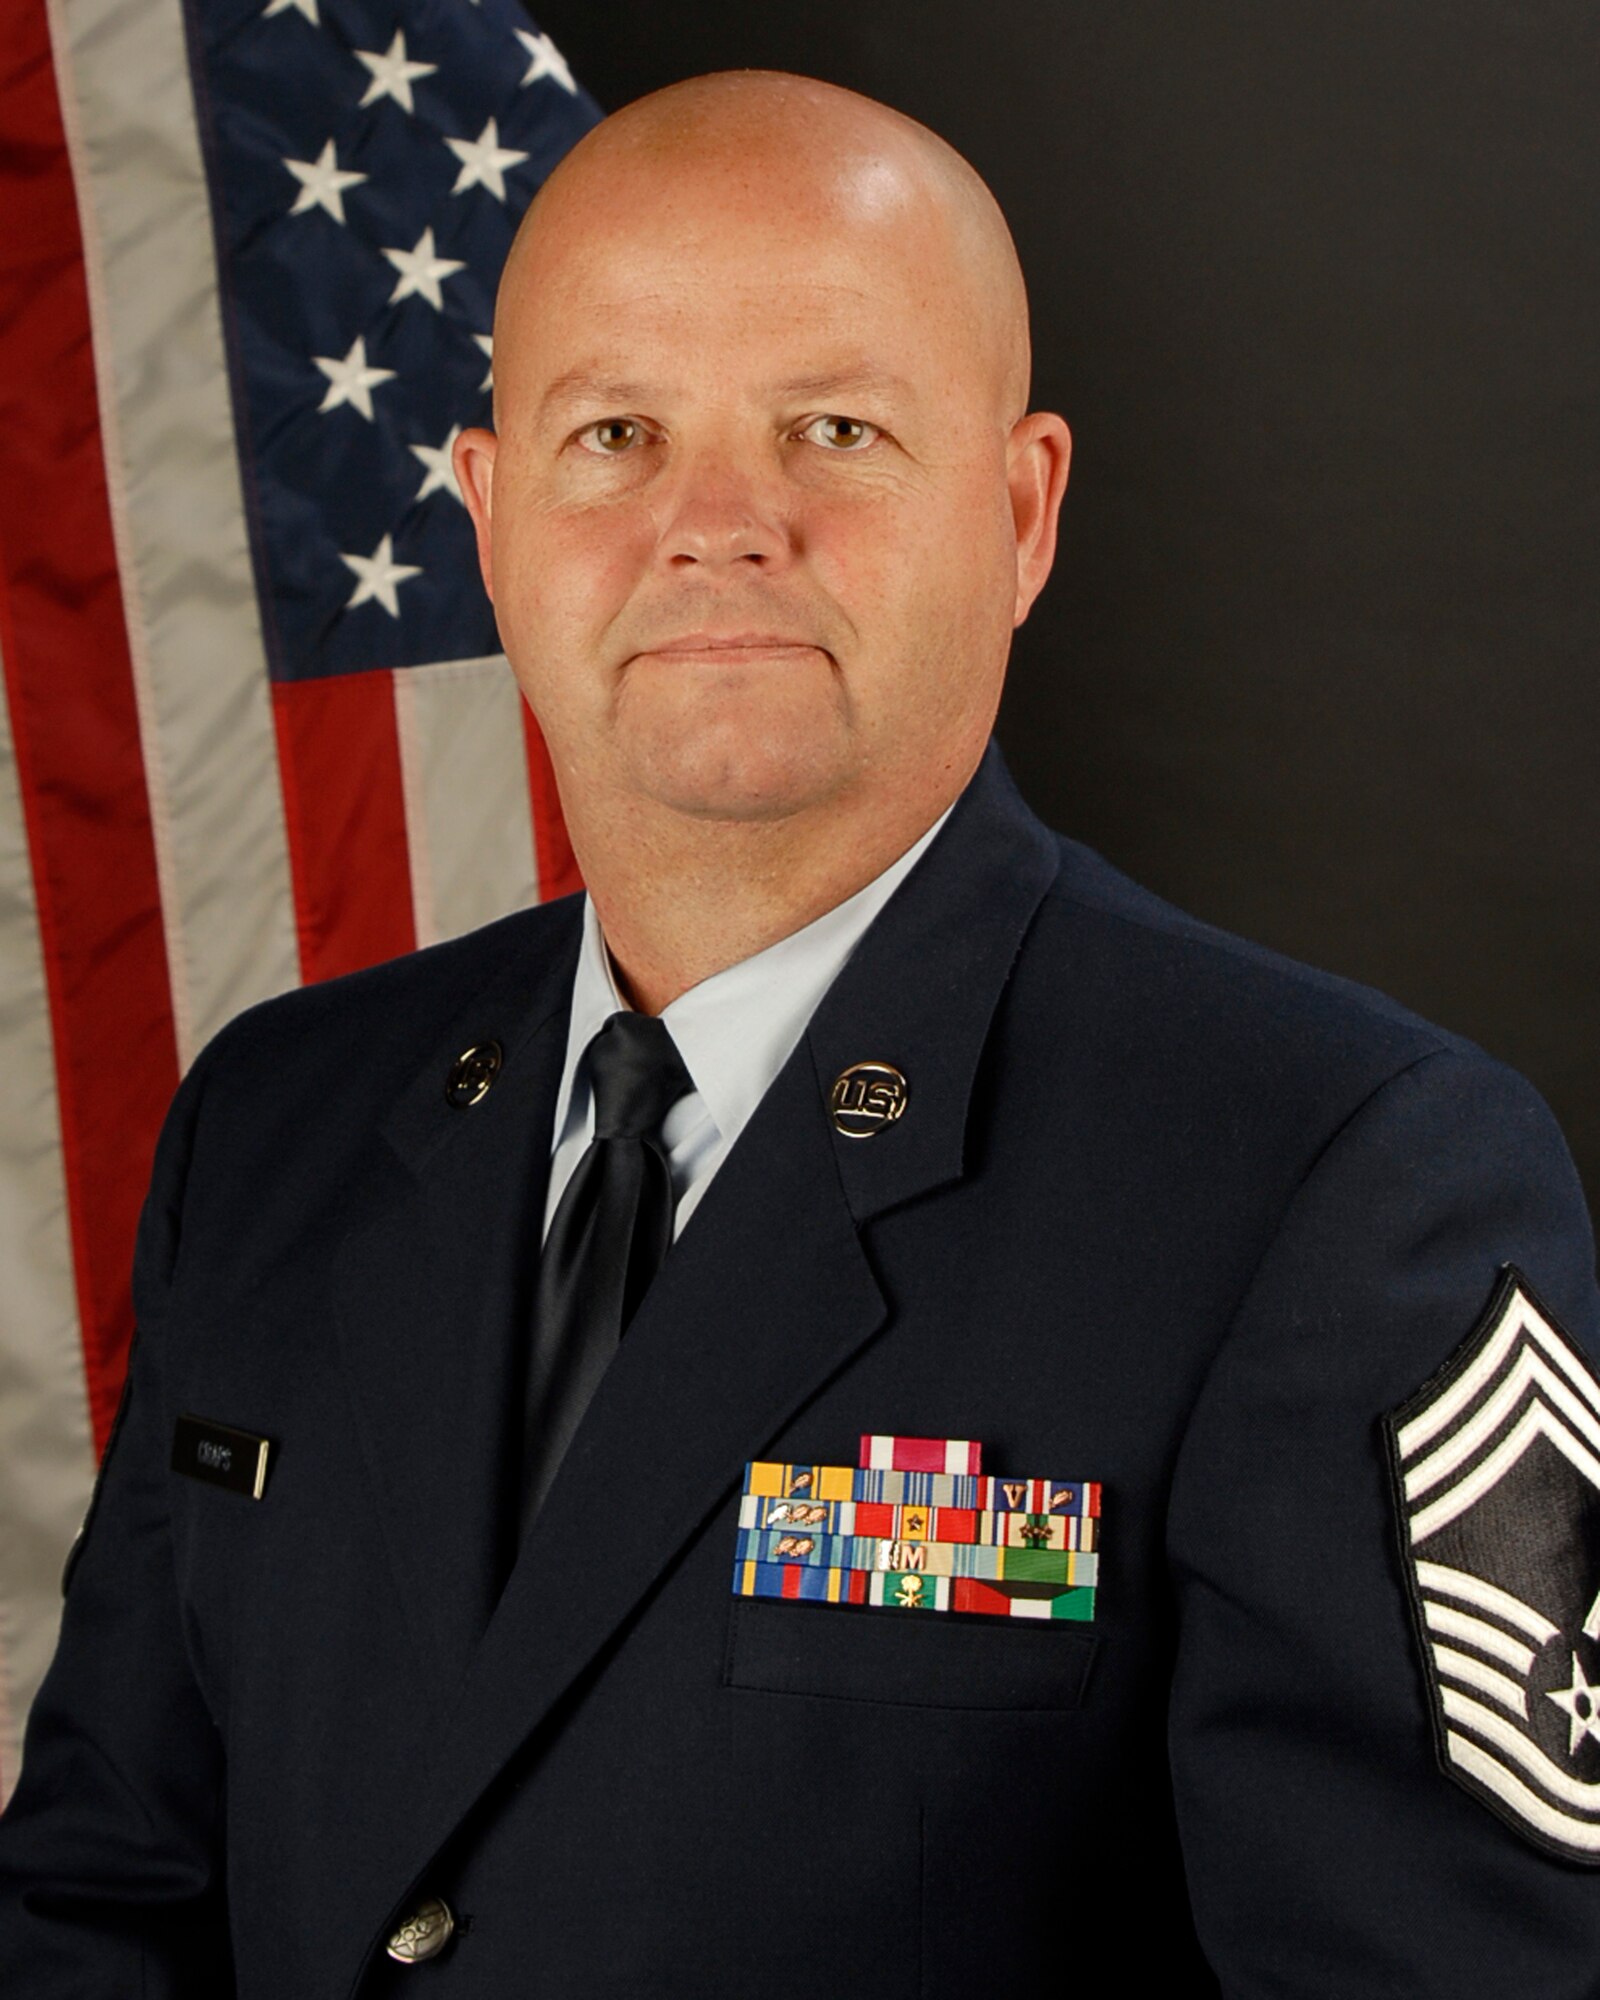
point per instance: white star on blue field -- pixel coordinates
(368, 162)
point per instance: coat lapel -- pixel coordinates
(765, 1297)
(433, 1285)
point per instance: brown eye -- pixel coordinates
(612, 436)
(841, 433)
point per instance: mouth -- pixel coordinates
(731, 647)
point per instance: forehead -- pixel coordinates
(791, 287)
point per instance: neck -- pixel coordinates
(681, 898)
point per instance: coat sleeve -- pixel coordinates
(1326, 1848)
(111, 1849)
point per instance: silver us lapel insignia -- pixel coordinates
(916, 1526)
(1497, 1469)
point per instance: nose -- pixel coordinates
(721, 514)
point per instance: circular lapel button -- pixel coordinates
(866, 1098)
(424, 1934)
(473, 1073)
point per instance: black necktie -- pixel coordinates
(610, 1231)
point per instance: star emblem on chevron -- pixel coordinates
(1497, 1474)
(1582, 1704)
(916, 1525)
(368, 163)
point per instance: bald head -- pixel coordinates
(750, 147)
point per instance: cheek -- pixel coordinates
(937, 589)
(561, 575)
(872, 553)
(922, 573)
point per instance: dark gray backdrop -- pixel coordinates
(1316, 288)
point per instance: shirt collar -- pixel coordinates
(737, 1029)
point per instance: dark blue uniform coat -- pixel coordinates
(1164, 1211)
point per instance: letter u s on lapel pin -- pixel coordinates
(917, 1526)
(867, 1098)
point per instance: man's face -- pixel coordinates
(752, 542)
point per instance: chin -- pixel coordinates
(725, 774)
(742, 750)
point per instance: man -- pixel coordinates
(1256, 1657)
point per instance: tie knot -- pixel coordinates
(637, 1076)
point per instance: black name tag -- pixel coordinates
(221, 1455)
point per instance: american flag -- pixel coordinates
(257, 730)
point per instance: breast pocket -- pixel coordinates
(908, 1659)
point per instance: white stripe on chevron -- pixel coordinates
(1454, 1666)
(1447, 1582)
(1538, 1420)
(46, 1444)
(1529, 1370)
(1444, 1409)
(464, 772)
(177, 508)
(1487, 1638)
(1520, 1749)
(1526, 1803)
(1519, 1318)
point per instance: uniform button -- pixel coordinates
(424, 1934)
(472, 1074)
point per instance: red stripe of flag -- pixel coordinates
(70, 684)
(344, 804)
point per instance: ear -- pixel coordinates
(1038, 455)
(473, 458)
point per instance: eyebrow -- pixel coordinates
(578, 385)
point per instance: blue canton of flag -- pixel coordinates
(369, 162)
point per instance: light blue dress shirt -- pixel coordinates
(734, 1031)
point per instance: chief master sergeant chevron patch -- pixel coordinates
(1497, 1468)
